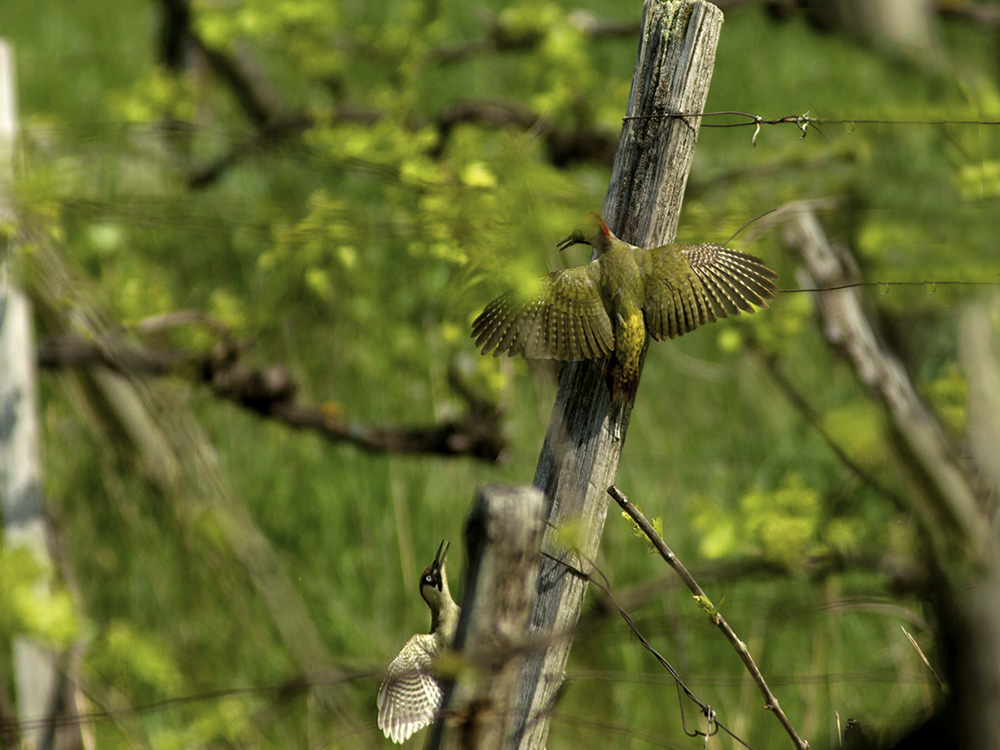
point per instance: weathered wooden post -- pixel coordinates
(502, 537)
(23, 511)
(579, 458)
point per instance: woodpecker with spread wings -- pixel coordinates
(626, 296)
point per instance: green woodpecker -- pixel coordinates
(410, 696)
(612, 306)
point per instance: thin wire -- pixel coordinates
(755, 218)
(682, 688)
(284, 689)
(929, 283)
(799, 120)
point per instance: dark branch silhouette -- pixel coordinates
(271, 392)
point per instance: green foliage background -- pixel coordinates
(357, 251)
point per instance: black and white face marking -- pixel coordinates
(432, 573)
(431, 578)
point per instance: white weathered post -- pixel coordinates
(21, 505)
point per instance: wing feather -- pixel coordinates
(409, 697)
(565, 321)
(690, 285)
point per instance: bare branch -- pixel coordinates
(771, 703)
(253, 94)
(269, 133)
(949, 500)
(980, 14)
(270, 392)
(801, 404)
(565, 144)
(979, 353)
(816, 568)
(498, 39)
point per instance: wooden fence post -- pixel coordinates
(36, 679)
(502, 538)
(579, 458)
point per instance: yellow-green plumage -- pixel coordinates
(630, 348)
(410, 696)
(612, 306)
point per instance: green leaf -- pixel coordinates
(31, 603)
(126, 652)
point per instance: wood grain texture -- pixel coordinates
(579, 458)
(502, 535)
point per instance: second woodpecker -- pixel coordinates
(615, 304)
(410, 695)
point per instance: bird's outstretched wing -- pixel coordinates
(689, 285)
(409, 697)
(566, 320)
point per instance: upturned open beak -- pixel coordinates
(439, 558)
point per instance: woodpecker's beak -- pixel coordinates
(439, 558)
(574, 239)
